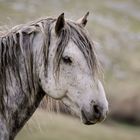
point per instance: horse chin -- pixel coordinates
(87, 121)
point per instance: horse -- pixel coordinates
(52, 57)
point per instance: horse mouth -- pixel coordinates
(87, 121)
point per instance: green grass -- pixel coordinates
(44, 126)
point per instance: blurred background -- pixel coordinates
(115, 27)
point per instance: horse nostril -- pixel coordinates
(97, 111)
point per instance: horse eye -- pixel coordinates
(67, 60)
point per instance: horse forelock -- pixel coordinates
(76, 33)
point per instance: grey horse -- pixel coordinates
(53, 57)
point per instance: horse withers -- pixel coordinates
(53, 57)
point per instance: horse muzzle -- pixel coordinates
(97, 114)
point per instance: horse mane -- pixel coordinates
(13, 43)
(20, 37)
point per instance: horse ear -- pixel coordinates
(83, 21)
(60, 23)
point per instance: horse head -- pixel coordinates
(72, 70)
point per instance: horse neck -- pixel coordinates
(21, 95)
